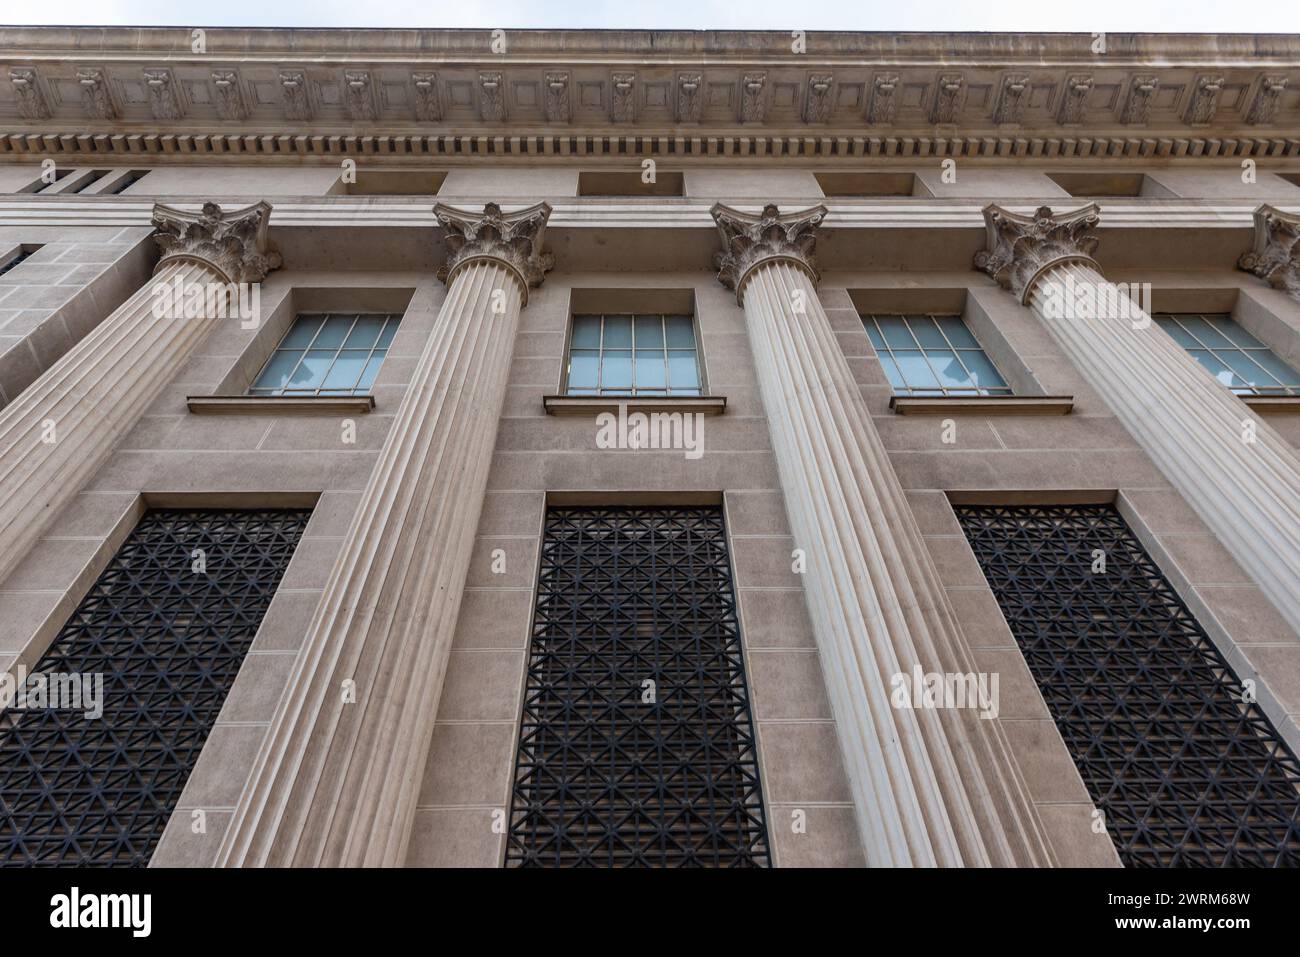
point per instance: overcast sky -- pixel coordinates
(1087, 16)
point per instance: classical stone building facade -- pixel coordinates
(554, 448)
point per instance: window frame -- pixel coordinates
(1250, 390)
(869, 320)
(285, 392)
(700, 390)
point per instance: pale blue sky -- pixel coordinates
(1088, 16)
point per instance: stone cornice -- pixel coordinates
(748, 241)
(1275, 257)
(233, 243)
(512, 239)
(1020, 249)
(578, 213)
(648, 44)
(932, 93)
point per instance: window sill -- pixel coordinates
(1265, 404)
(280, 404)
(982, 404)
(596, 404)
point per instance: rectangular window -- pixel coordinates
(1108, 184)
(633, 355)
(628, 183)
(1233, 356)
(166, 642)
(42, 186)
(17, 257)
(132, 177)
(401, 182)
(867, 184)
(88, 179)
(1185, 766)
(328, 354)
(932, 355)
(636, 743)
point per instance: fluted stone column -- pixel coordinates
(58, 432)
(338, 776)
(930, 787)
(1239, 475)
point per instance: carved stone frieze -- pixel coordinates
(491, 97)
(1012, 99)
(753, 98)
(1074, 99)
(164, 94)
(428, 104)
(1141, 91)
(358, 87)
(622, 99)
(1204, 101)
(227, 95)
(96, 100)
(884, 99)
(296, 95)
(558, 106)
(27, 91)
(690, 97)
(948, 99)
(1268, 96)
(817, 106)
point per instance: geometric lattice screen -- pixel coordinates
(1186, 772)
(168, 642)
(612, 771)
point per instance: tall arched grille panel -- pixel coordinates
(1185, 770)
(636, 744)
(167, 625)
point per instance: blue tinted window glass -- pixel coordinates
(333, 332)
(586, 332)
(584, 368)
(957, 332)
(618, 332)
(680, 331)
(682, 371)
(276, 373)
(649, 332)
(651, 372)
(303, 330)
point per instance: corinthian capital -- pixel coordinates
(513, 239)
(1276, 256)
(1022, 248)
(748, 240)
(233, 243)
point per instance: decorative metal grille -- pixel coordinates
(606, 776)
(1185, 771)
(168, 642)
